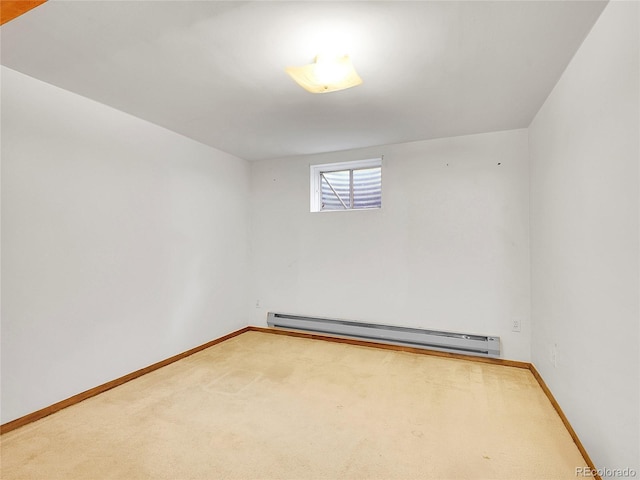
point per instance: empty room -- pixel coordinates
(320, 239)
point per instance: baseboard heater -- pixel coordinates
(468, 344)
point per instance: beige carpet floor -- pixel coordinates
(264, 406)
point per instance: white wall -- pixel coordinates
(122, 244)
(448, 250)
(584, 231)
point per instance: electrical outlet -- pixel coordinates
(258, 304)
(516, 324)
(554, 355)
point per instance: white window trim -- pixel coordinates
(316, 186)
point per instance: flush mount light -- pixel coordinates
(326, 74)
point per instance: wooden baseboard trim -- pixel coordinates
(10, 9)
(44, 412)
(565, 420)
(384, 346)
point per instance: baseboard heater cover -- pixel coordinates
(468, 344)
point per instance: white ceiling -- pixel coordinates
(214, 71)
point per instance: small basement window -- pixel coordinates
(346, 185)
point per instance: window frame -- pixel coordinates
(316, 181)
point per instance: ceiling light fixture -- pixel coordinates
(326, 74)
